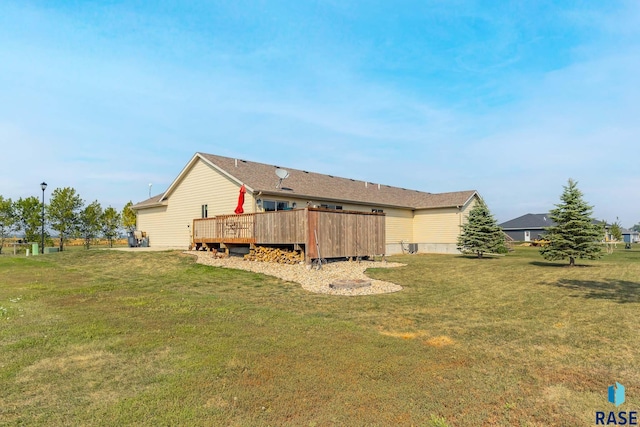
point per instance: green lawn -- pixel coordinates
(120, 338)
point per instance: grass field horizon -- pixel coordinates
(152, 338)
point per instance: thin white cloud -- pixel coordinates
(454, 98)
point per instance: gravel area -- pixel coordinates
(312, 280)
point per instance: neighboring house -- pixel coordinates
(630, 236)
(527, 227)
(530, 227)
(209, 185)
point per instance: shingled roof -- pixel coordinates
(261, 177)
(528, 221)
(535, 222)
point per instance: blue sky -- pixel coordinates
(509, 98)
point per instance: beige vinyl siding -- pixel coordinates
(201, 185)
(399, 225)
(440, 225)
(151, 221)
(437, 225)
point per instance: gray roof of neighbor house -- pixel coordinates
(261, 177)
(528, 221)
(533, 222)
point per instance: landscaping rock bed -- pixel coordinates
(350, 284)
(312, 280)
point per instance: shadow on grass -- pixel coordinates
(555, 264)
(616, 290)
(483, 257)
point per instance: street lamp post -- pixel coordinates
(43, 185)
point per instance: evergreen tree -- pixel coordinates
(63, 212)
(481, 233)
(574, 235)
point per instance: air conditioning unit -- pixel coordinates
(413, 248)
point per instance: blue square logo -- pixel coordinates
(616, 394)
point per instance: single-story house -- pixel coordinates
(209, 186)
(527, 227)
(630, 236)
(530, 227)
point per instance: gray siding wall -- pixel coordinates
(518, 235)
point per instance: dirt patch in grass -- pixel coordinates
(404, 335)
(574, 379)
(84, 376)
(441, 341)
(84, 360)
(438, 341)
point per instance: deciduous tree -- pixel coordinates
(8, 219)
(481, 233)
(616, 231)
(90, 222)
(63, 212)
(29, 218)
(574, 235)
(129, 217)
(110, 224)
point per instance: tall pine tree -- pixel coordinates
(574, 235)
(481, 234)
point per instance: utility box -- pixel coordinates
(133, 242)
(138, 239)
(34, 249)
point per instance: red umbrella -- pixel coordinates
(239, 208)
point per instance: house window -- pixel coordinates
(274, 205)
(377, 210)
(205, 211)
(337, 207)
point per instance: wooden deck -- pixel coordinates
(339, 233)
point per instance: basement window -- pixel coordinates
(377, 210)
(205, 211)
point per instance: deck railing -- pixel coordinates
(224, 228)
(326, 233)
